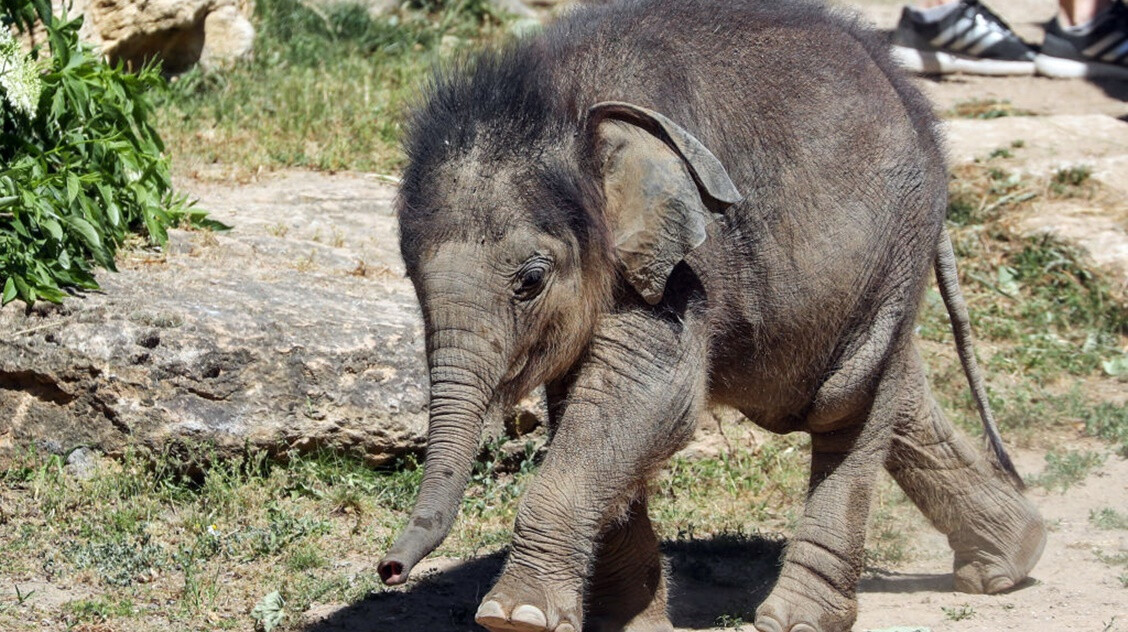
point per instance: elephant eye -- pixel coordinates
(530, 278)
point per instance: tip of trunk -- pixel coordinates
(414, 544)
(392, 572)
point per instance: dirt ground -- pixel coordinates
(1070, 589)
(1067, 123)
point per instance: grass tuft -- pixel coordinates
(1108, 518)
(959, 613)
(986, 109)
(1066, 469)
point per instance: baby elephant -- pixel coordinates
(655, 205)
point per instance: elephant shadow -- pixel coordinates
(722, 576)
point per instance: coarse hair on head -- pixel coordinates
(497, 111)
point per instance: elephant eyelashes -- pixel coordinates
(531, 277)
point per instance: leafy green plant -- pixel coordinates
(269, 612)
(958, 613)
(1068, 181)
(1108, 518)
(282, 530)
(730, 621)
(1108, 421)
(491, 488)
(118, 561)
(81, 168)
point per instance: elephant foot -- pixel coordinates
(775, 620)
(519, 606)
(805, 604)
(993, 560)
(524, 618)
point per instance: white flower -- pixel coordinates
(19, 78)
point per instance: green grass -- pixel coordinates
(958, 613)
(199, 535)
(731, 621)
(1120, 558)
(985, 109)
(1049, 325)
(1108, 518)
(1117, 559)
(326, 89)
(1108, 421)
(1070, 181)
(733, 491)
(892, 521)
(96, 610)
(1067, 468)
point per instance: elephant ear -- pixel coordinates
(659, 183)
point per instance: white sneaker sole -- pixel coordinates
(1059, 68)
(941, 63)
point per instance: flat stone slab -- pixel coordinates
(295, 330)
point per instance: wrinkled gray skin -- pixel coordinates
(658, 205)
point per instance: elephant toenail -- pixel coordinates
(765, 624)
(998, 585)
(565, 627)
(490, 614)
(802, 627)
(530, 616)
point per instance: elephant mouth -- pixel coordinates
(520, 380)
(516, 369)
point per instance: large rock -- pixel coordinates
(296, 330)
(181, 33)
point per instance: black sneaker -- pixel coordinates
(969, 39)
(1098, 50)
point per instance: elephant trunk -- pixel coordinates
(459, 401)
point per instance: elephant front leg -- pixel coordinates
(630, 406)
(541, 588)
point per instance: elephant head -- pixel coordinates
(515, 251)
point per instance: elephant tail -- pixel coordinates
(948, 280)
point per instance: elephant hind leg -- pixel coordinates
(996, 533)
(628, 586)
